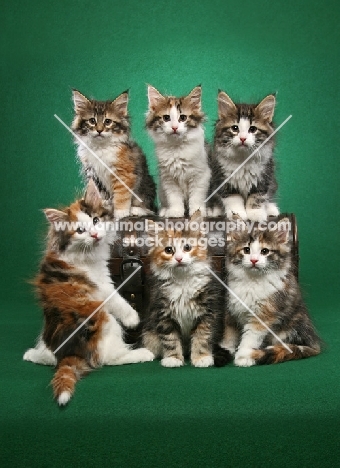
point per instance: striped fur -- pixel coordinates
(72, 284)
(260, 274)
(239, 131)
(105, 128)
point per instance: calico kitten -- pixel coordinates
(260, 273)
(186, 305)
(175, 125)
(239, 130)
(104, 127)
(73, 282)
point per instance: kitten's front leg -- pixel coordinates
(201, 350)
(256, 207)
(252, 338)
(169, 334)
(234, 204)
(121, 309)
(231, 338)
(121, 193)
(174, 200)
(198, 190)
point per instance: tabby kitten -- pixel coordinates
(186, 305)
(175, 125)
(239, 130)
(260, 273)
(73, 282)
(104, 127)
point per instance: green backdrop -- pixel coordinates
(144, 415)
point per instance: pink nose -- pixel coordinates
(174, 129)
(94, 235)
(243, 140)
(179, 259)
(253, 261)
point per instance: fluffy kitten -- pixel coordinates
(73, 282)
(104, 127)
(239, 130)
(175, 124)
(260, 273)
(186, 305)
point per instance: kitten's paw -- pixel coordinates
(243, 358)
(131, 320)
(39, 356)
(139, 211)
(144, 355)
(241, 213)
(257, 214)
(205, 361)
(272, 209)
(171, 212)
(171, 362)
(118, 214)
(64, 398)
(214, 212)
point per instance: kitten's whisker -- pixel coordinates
(249, 157)
(249, 310)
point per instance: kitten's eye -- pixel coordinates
(80, 230)
(187, 248)
(166, 118)
(107, 121)
(182, 118)
(92, 121)
(95, 220)
(169, 250)
(252, 129)
(246, 250)
(265, 251)
(234, 128)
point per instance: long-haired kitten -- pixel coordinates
(104, 127)
(239, 131)
(73, 282)
(261, 277)
(176, 126)
(185, 317)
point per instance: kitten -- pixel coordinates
(104, 127)
(175, 125)
(185, 316)
(239, 130)
(260, 273)
(73, 282)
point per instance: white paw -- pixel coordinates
(139, 211)
(118, 214)
(243, 358)
(171, 362)
(272, 209)
(144, 355)
(38, 356)
(64, 398)
(214, 212)
(206, 361)
(132, 320)
(241, 213)
(257, 214)
(172, 212)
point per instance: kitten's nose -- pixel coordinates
(94, 235)
(253, 260)
(99, 132)
(174, 129)
(179, 259)
(243, 140)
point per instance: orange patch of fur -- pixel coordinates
(125, 170)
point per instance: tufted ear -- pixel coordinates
(54, 216)
(225, 105)
(283, 230)
(80, 102)
(121, 103)
(92, 196)
(266, 108)
(153, 228)
(154, 97)
(236, 228)
(195, 97)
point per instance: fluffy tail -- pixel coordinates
(69, 370)
(222, 356)
(278, 353)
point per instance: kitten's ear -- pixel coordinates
(283, 230)
(92, 196)
(266, 108)
(225, 105)
(236, 228)
(195, 97)
(80, 102)
(153, 228)
(121, 103)
(54, 216)
(154, 97)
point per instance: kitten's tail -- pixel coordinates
(222, 356)
(69, 370)
(278, 353)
